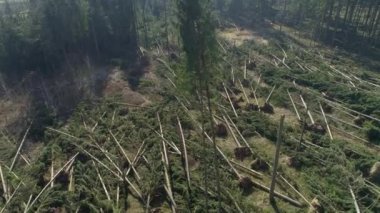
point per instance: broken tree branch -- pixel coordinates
(294, 106)
(125, 155)
(277, 155)
(19, 148)
(232, 132)
(308, 111)
(165, 160)
(327, 124)
(101, 181)
(10, 198)
(270, 94)
(229, 99)
(47, 185)
(4, 183)
(355, 201)
(184, 153)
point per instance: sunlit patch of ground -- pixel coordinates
(238, 36)
(118, 86)
(12, 109)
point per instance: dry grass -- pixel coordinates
(239, 36)
(117, 86)
(12, 109)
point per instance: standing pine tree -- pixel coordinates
(199, 42)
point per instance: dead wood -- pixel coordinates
(277, 156)
(229, 99)
(47, 185)
(242, 152)
(125, 155)
(184, 152)
(259, 164)
(294, 106)
(221, 130)
(374, 172)
(316, 207)
(19, 149)
(327, 124)
(101, 181)
(267, 108)
(248, 170)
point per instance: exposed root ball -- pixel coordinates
(245, 83)
(82, 158)
(317, 128)
(193, 163)
(124, 112)
(230, 82)
(156, 210)
(158, 196)
(56, 210)
(327, 108)
(245, 183)
(242, 152)
(236, 90)
(221, 130)
(252, 107)
(173, 57)
(374, 173)
(259, 164)
(63, 178)
(267, 108)
(235, 102)
(359, 121)
(251, 65)
(316, 207)
(236, 105)
(247, 133)
(293, 162)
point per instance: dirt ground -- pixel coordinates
(12, 109)
(117, 85)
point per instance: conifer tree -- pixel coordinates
(199, 42)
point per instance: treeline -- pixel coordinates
(39, 35)
(336, 22)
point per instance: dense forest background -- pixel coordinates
(41, 40)
(40, 35)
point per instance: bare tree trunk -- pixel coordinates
(277, 155)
